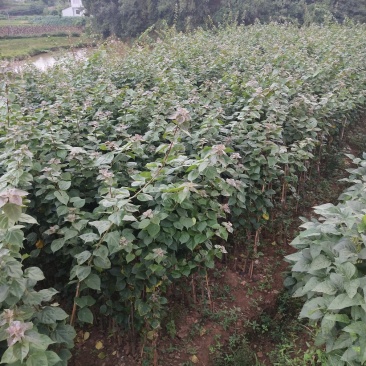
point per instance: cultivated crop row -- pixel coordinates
(137, 168)
(36, 30)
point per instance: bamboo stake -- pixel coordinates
(194, 295)
(209, 294)
(73, 314)
(256, 241)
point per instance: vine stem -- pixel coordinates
(7, 103)
(194, 290)
(284, 187)
(256, 241)
(73, 314)
(209, 293)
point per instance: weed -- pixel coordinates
(238, 353)
(170, 349)
(225, 317)
(192, 350)
(171, 329)
(222, 292)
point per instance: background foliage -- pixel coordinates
(128, 18)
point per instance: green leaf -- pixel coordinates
(77, 202)
(313, 232)
(187, 221)
(272, 161)
(64, 333)
(37, 340)
(82, 272)
(34, 273)
(85, 315)
(199, 238)
(194, 174)
(4, 292)
(113, 241)
(128, 218)
(14, 237)
(69, 234)
(352, 287)
(82, 257)
(8, 356)
(102, 225)
(143, 308)
(47, 294)
(348, 269)
(64, 185)
(144, 223)
(320, 262)
(52, 358)
(84, 301)
(27, 219)
(183, 195)
(343, 301)
(105, 159)
(93, 281)
(57, 244)
(4, 222)
(21, 350)
(62, 210)
(14, 269)
(153, 230)
(101, 251)
(51, 314)
(313, 309)
(62, 196)
(89, 237)
(191, 245)
(103, 263)
(341, 318)
(358, 328)
(325, 287)
(12, 211)
(184, 237)
(143, 197)
(130, 257)
(343, 341)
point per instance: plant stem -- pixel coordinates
(73, 314)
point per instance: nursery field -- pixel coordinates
(21, 48)
(21, 37)
(36, 30)
(134, 180)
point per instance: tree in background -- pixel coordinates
(128, 18)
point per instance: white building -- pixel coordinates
(75, 10)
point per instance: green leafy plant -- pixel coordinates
(33, 327)
(328, 271)
(137, 171)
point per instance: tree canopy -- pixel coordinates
(128, 18)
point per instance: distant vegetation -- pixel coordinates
(22, 24)
(126, 18)
(31, 7)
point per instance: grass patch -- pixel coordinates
(14, 21)
(21, 48)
